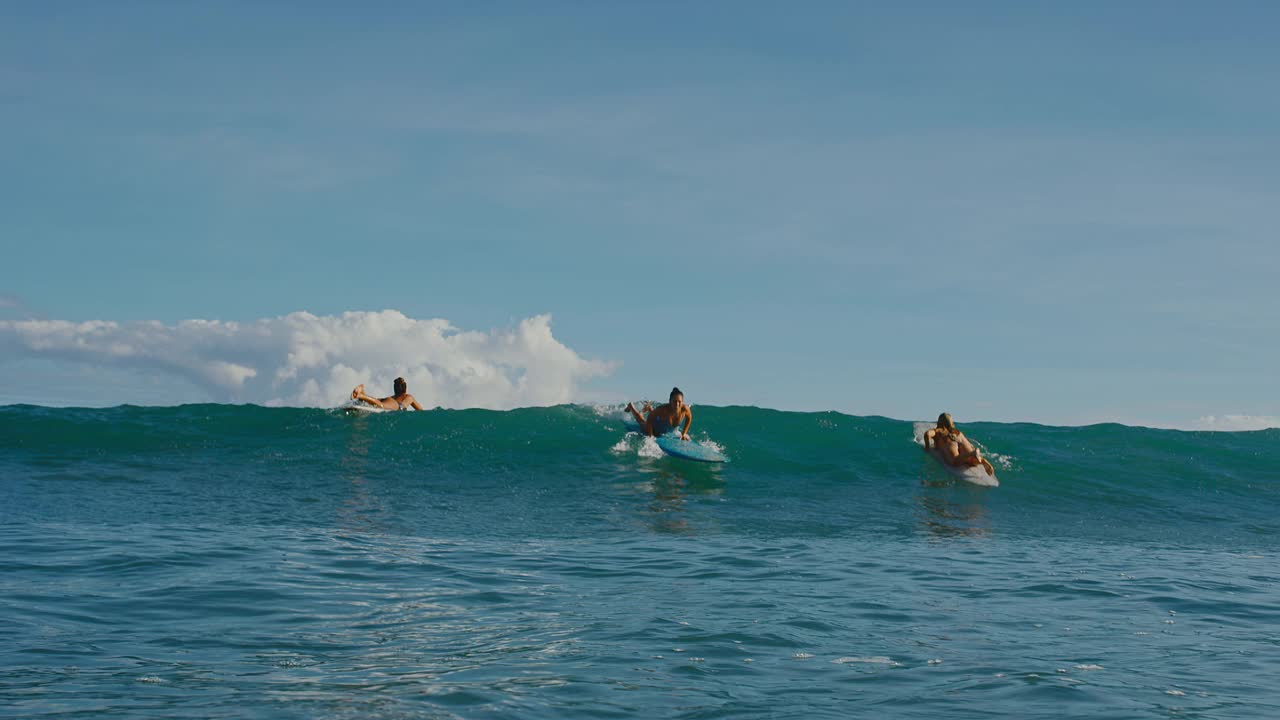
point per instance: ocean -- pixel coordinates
(217, 561)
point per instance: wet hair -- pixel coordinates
(401, 387)
(674, 392)
(945, 421)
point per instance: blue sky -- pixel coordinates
(1005, 210)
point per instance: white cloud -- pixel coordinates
(308, 360)
(1236, 422)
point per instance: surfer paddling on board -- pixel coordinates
(401, 400)
(953, 447)
(664, 418)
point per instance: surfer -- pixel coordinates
(401, 400)
(953, 447)
(664, 418)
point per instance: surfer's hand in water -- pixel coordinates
(684, 436)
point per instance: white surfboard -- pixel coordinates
(975, 474)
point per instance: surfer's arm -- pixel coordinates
(413, 402)
(928, 435)
(688, 420)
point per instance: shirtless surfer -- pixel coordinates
(401, 400)
(664, 418)
(953, 447)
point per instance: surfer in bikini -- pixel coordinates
(664, 418)
(953, 447)
(401, 400)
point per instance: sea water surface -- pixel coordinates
(212, 561)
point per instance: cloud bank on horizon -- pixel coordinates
(308, 360)
(302, 359)
(1231, 423)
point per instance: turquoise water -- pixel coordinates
(218, 561)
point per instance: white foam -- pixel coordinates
(354, 406)
(918, 429)
(712, 444)
(1004, 462)
(641, 445)
(610, 413)
(606, 411)
(648, 447)
(873, 660)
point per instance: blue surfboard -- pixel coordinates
(672, 445)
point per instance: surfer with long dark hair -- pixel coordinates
(664, 418)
